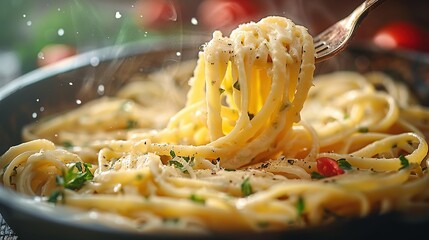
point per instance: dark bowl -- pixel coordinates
(56, 89)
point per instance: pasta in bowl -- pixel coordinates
(254, 144)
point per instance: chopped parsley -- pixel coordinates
(178, 164)
(404, 162)
(343, 164)
(172, 153)
(76, 176)
(73, 178)
(316, 175)
(139, 176)
(188, 159)
(300, 205)
(67, 144)
(246, 188)
(53, 198)
(363, 129)
(131, 124)
(346, 116)
(197, 199)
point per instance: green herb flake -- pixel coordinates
(139, 176)
(55, 195)
(363, 129)
(221, 90)
(131, 124)
(346, 116)
(246, 188)
(404, 162)
(300, 205)
(67, 144)
(172, 153)
(87, 167)
(316, 175)
(79, 166)
(176, 164)
(343, 164)
(73, 178)
(76, 176)
(188, 159)
(197, 199)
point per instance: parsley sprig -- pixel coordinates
(76, 176)
(404, 162)
(197, 199)
(300, 205)
(316, 175)
(246, 188)
(343, 164)
(73, 178)
(178, 164)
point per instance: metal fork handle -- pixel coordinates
(349, 24)
(360, 12)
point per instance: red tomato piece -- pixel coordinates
(155, 13)
(223, 14)
(328, 167)
(404, 35)
(54, 53)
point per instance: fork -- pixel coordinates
(335, 38)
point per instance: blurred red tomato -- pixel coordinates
(53, 53)
(155, 14)
(405, 35)
(226, 14)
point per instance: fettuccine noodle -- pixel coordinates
(257, 144)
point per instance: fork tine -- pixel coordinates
(322, 35)
(321, 49)
(335, 38)
(319, 44)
